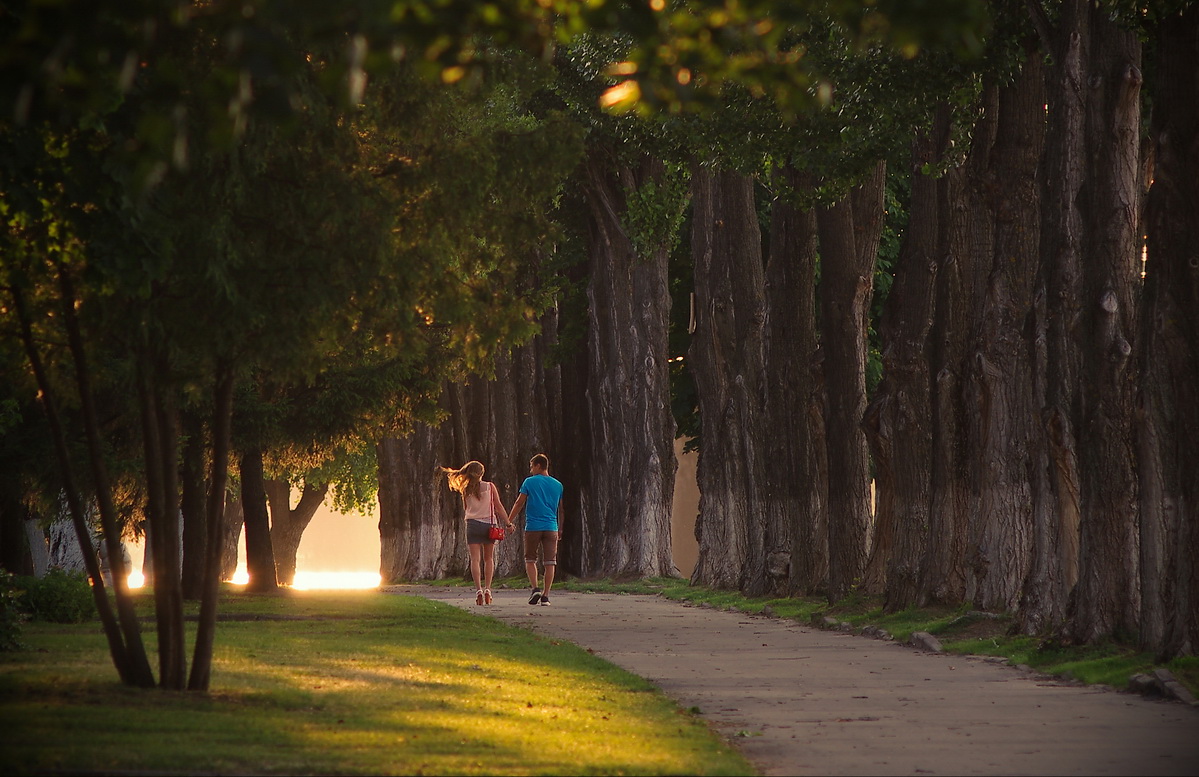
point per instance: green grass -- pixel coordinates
(348, 683)
(960, 630)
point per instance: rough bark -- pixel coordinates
(795, 397)
(1054, 565)
(1000, 369)
(288, 524)
(898, 420)
(943, 571)
(727, 360)
(849, 233)
(1168, 422)
(1107, 596)
(418, 516)
(260, 558)
(626, 524)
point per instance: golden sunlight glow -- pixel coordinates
(327, 581)
(621, 96)
(240, 577)
(136, 579)
(622, 68)
(657, 5)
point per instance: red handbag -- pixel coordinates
(495, 531)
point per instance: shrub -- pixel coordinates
(11, 616)
(59, 597)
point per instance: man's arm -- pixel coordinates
(518, 507)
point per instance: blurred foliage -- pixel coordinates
(57, 597)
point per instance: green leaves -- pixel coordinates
(656, 211)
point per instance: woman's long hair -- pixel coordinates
(466, 479)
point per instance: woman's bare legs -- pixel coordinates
(476, 553)
(488, 564)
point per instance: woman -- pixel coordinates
(482, 503)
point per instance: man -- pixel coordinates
(541, 500)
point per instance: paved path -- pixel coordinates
(817, 702)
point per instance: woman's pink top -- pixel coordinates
(480, 509)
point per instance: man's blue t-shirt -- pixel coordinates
(542, 494)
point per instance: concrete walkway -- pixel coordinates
(798, 701)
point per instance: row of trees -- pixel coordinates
(1009, 246)
(265, 238)
(292, 280)
(244, 241)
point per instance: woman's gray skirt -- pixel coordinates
(476, 532)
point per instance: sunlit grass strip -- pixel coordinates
(349, 683)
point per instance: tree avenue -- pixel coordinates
(256, 249)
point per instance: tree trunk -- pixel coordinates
(898, 419)
(260, 557)
(1169, 403)
(16, 555)
(943, 570)
(288, 525)
(419, 517)
(132, 670)
(631, 474)
(222, 415)
(727, 359)
(139, 663)
(1001, 372)
(1054, 565)
(795, 397)
(192, 508)
(848, 252)
(232, 524)
(1107, 597)
(159, 438)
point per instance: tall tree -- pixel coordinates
(795, 389)
(1000, 375)
(849, 232)
(898, 420)
(631, 215)
(1107, 597)
(1168, 417)
(1055, 564)
(727, 359)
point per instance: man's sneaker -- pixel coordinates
(536, 597)
(545, 600)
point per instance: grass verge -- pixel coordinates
(960, 630)
(347, 683)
